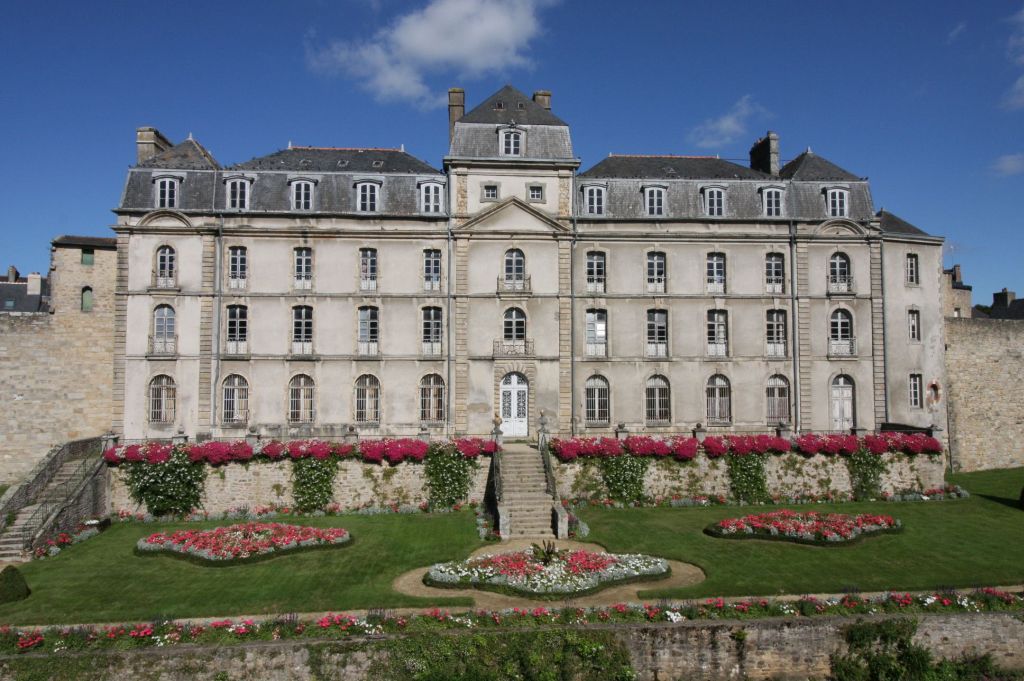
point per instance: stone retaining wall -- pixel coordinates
(788, 475)
(267, 483)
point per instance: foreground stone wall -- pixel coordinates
(266, 483)
(984, 367)
(787, 475)
(779, 649)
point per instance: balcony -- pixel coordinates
(302, 347)
(775, 349)
(842, 347)
(520, 285)
(595, 284)
(513, 348)
(716, 286)
(657, 349)
(655, 284)
(368, 348)
(237, 283)
(597, 349)
(236, 347)
(718, 349)
(163, 345)
(303, 282)
(774, 285)
(431, 284)
(237, 418)
(165, 280)
(431, 349)
(839, 284)
(367, 284)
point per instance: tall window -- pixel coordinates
(656, 272)
(236, 400)
(775, 333)
(87, 299)
(238, 267)
(164, 338)
(367, 192)
(714, 202)
(238, 194)
(719, 396)
(302, 330)
(595, 271)
(916, 386)
(657, 333)
(88, 256)
(840, 277)
(515, 270)
(841, 339)
(656, 400)
(303, 268)
(514, 325)
(368, 269)
(716, 273)
(166, 268)
(166, 193)
(237, 342)
(596, 401)
(597, 333)
(432, 269)
(838, 200)
(654, 198)
(774, 273)
(302, 195)
(432, 399)
(301, 399)
(369, 331)
(843, 403)
(914, 325)
(913, 270)
(772, 202)
(777, 398)
(161, 399)
(511, 143)
(432, 327)
(367, 399)
(718, 333)
(430, 198)
(594, 200)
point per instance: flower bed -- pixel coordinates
(545, 574)
(827, 529)
(245, 542)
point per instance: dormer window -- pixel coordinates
(714, 201)
(654, 200)
(238, 194)
(302, 195)
(771, 202)
(430, 197)
(511, 142)
(167, 192)
(593, 200)
(838, 203)
(367, 194)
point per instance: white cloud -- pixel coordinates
(1014, 98)
(1015, 46)
(956, 32)
(1009, 164)
(467, 38)
(727, 128)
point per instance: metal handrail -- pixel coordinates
(549, 472)
(496, 474)
(85, 469)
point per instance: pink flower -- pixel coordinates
(684, 448)
(715, 446)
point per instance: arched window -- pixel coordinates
(236, 399)
(511, 142)
(164, 340)
(515, 270)
(301, 399)
(166, 275)
(840, 278)
(161, 399)
(657, 408)
(841, 341)
(777, 398)
(596, 401)
(843, 400)
(432, 399)
(514, 325)
(237, 337)
(87, 299)
(719, 396)
(367, 399)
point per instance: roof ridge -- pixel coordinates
(312, 148)
(719, 158)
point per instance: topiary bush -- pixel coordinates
(13, 586)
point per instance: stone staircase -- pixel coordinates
(16, 536)
(524, 493)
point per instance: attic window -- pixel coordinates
(378, 164)
(305, 162)
(342, 164)
(669, 170)
(9, 304)
(499, 105)
(521, 105)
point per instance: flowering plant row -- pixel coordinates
(217, 453)
(339, 626)
(809, 527)
(546, 574)
(685, 448)
(232, 543)
(282, 511)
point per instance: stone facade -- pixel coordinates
(55, 366)
(985, 363)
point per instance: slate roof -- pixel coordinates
(516, 106)
(1015, 310)
(188, 155)
(671, 168)
(20, 301)
(337, 159)
(808, 166)
(86, 241)
(892, 224)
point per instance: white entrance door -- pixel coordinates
(842, 403)
(514, 405)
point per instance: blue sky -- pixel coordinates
(925, 98)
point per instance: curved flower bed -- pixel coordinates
(810, 527)
(245, 542)
(568, 573)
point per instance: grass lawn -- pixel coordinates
(959, 543)
(101, 580)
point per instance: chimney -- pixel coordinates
(34, 287)
(764, 155)
(149, 142)
(957, 276)
(12, 274)
(1003, 299)
(543, 98)
(456, 109)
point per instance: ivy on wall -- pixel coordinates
(747, 479)
(624, 477)
(170, 486)
(866, 471)
(313, 482)
(449, 474)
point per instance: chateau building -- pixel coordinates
(318, 289)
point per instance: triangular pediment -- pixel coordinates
(513, 215)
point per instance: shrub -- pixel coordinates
(624, 477)
(746, 477)
(13, 586)
(167, 480)
(313, 482)
(449, 473)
